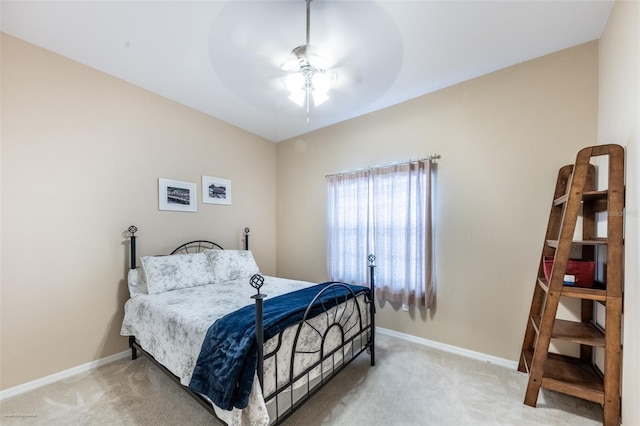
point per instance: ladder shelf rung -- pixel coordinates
(527, 357)
(542, 282)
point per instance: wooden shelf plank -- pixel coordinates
(586, 196)
(584, 293)
(594, 242)
(584, 333)
(573, 377)
(570, 376)
(572, 331)
(577, 292)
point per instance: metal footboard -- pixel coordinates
(350, 322)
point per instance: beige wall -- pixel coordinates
(502, 138)
(619, 122)
(81, 155)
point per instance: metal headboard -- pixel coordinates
(195, 246)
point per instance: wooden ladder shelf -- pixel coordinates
(575, 196)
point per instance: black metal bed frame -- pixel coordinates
(362, 339)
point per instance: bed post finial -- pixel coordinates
(132, 235)
(246, 238)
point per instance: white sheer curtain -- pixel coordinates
(385, 211)
(348, 222)
(402, 233)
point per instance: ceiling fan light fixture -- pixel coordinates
(309, 81)
(298, 98)
(319, 98)
(295, 82)
(322, 81)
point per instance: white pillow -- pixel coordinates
(166, 273)
(230, 265)
(136, 282)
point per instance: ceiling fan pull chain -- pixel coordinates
(308, 113)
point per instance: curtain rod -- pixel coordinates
(431, 157)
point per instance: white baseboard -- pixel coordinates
(26, 387)
(450, 348)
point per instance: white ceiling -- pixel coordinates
(223, 57)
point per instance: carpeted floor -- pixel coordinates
(410, 385)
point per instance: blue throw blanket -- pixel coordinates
(228, 358)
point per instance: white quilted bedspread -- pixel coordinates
(171, 326)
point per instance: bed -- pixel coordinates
(250, 348)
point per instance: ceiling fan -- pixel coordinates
(250, 49)
(308, 78)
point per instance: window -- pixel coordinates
(385, 211)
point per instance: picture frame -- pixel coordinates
(216, 190)
(175, 195)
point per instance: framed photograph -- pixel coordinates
(216, 190)
(177, 196)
